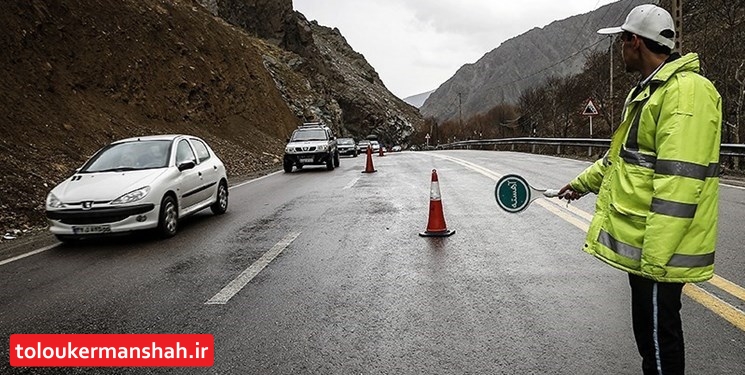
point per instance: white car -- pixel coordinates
(138, 183)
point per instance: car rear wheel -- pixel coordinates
(168, 219)
(221, 204)
(336, 159)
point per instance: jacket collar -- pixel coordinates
(675, 64)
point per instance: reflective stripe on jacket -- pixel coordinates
(658, 186)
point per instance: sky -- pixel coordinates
(416, 45)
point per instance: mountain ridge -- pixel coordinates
(524, 61)
(418, 99)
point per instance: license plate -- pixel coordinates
(306, 160)
(91, 229)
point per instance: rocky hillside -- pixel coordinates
(502, 75)
(78, 74)
(318, 72)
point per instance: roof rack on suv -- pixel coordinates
(313, 125)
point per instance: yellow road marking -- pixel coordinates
(706, 299)
(716, 305)
(543, 202)
(728, 286)
(575, 210)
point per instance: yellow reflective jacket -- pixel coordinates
(658, 185)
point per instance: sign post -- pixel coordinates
(590, 110)
(427, 138)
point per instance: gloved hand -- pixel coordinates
(568, 193)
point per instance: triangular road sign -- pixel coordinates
(590, 109)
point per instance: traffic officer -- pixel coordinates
(656, 211)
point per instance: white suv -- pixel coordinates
(311, 143)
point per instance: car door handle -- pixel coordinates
(200, 174)
(214, 167)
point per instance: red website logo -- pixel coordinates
(109, 350)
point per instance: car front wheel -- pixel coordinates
(168, 219)
(221, 204)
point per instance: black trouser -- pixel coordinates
(655, 311)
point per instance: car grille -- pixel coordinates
(98, 216)
(93, 220)
(305, 149)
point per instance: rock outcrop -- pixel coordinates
(319, 74)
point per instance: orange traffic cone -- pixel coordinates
(380, 151)
(436, 226)
(369, 167)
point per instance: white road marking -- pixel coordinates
(732, 186)
(235, 286)
(349, 185)
(30, 253)
(252, 181)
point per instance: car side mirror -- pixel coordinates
(186, 165)
(288, 140)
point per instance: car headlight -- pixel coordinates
(54, 202)
(322, 148)
(132, 196)
(288, 150)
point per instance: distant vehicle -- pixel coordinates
(362, 146)
(396, 148)
(346, 146)
(375, 146)
(311, 144)
(138, 183)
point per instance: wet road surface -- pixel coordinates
(352, 288)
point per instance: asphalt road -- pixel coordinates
(354, 289)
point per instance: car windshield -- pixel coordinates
(130, 156)
(309, 135)
(345, 141)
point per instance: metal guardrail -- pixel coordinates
(726, 149)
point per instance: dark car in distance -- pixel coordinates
(346, 146)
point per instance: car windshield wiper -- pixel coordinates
(117, 169)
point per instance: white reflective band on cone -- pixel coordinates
(434, 191)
